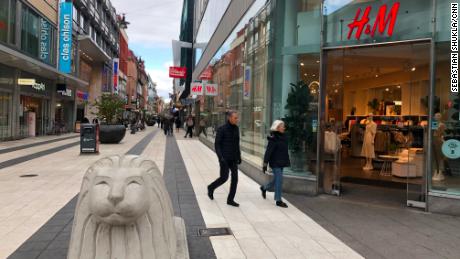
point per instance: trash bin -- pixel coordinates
(89, 138)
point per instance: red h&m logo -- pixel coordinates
(382, 21)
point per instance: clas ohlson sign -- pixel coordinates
(65, 37)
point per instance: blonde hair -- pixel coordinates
(276, 124)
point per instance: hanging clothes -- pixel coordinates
(331, 142)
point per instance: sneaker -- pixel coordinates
(281, 204)
(233, 203)
(210, 194)
(264, 192)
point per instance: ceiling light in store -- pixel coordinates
(387, 89)
(58, 105)
(314, 75)
(413, 69)
(376, 75)
(398, 86)
(317, 61)
(302, 64)
(336, 91)
(348, 76)
(305, 74)
(398, 102)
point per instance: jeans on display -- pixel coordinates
(276, 183)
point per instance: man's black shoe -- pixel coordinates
(233, 203)
(281, 204)
(210, 194)
(264, 192)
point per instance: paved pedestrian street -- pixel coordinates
(36, 212)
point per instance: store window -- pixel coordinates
(4, 12)
(215, 10)
(296, 80)
(241, 71)
(5, 115)
(30, 32)
(445, 176)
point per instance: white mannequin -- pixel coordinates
(438, 140)
(368, 145)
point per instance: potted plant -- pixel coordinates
(298, 125)
(374, 105)
(110, 111)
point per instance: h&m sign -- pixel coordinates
(384, 21)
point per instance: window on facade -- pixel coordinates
(4, 20)
(30, 32)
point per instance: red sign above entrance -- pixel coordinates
(382, 21)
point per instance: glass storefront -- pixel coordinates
(215, 9)
(373, 64)
(7, 21)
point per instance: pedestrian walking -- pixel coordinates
(277, 157)
(227, 146)
(202, 128)
(171, 125)
(165, 123)
(178, 124)
(190, 124)
(159, 121)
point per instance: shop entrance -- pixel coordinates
(374, 119)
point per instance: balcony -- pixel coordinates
(91, 10)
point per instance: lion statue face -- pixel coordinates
(119, 196)
(123, 211)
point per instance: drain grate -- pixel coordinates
(28, 175)
(207, 232)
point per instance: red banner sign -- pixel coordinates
(196, 89)
(207, 74)
(177, 72)
(382, 21)
(211, 89)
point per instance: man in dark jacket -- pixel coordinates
(227, 146)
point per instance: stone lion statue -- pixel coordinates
(124, 211)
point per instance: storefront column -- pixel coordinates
(16, 106)
(53, 105)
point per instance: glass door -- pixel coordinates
(418, 67)
(332, 122)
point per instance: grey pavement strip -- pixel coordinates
(26, 158)
(184, 201)
(16, 148)
(142, 144)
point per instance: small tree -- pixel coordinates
(298, 124)
(109, 108)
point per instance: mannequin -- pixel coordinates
(438, 140)
(368, 145)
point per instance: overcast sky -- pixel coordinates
(153, 24)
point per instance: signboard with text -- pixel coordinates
(65, 37)
(211, 89)
(45, 40)
(383, 22)
(207, 74)
(177, 72)
(116, 63)
(196, 89)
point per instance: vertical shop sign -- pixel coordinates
(381, 22)
(65, 37)
(45, 42)
(247, 83)
(196, 88)
(211, 89)
(116, 62)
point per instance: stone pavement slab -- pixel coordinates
(260, 229)
(26, 204)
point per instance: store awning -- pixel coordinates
(91, 49)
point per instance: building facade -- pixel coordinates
(329, 69)
(33, 91)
